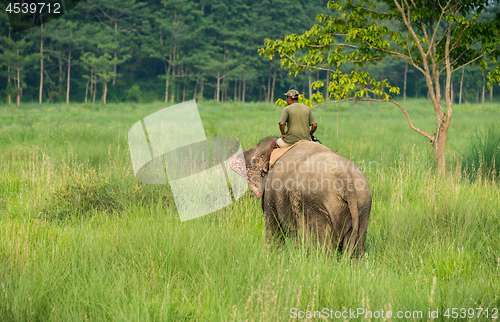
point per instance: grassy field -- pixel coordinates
(82, 240)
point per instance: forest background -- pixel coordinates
(172, 51)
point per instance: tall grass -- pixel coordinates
(481, 157)
(80, 239)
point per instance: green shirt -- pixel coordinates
(298, 118)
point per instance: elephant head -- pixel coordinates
(251, 170)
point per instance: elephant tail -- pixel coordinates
(352, 201)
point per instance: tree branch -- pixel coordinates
(376, 11)
(416, 129)
(333, 44)
(411, 58)
(437, 27)
(480, 56)
(305, 67)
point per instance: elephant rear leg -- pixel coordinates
(273, 230)
(352, 201)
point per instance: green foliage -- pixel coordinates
(134, 94)
(481, 157)
(80, 194)
(10, 89)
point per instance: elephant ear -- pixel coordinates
(249, 167)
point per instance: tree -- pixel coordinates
(117, 17)
(14, 55)
(5, 59)
(436, 37)
(102, 68)
(67, 36)
(173, 31)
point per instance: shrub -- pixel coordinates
(134, 94)
(83, 193)
(80, 194)
(482, 156)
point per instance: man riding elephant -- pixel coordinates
(298, 118)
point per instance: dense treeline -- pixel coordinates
(173, 50)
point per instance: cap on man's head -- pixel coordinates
(292, 93)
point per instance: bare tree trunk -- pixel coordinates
(243, 94)
(461, 85)
(172, 98)
(91, 79)
(114, 70)
(327, 98)
(167, 72)
(239, 90)
(224, 90)
(61, 74)
(196, 86)
(173, 75)
(491, 93)
(184, 93)
(41, 62)
(8, 75)
(404, 91)
(310, 87)
(201, 90)
(452, 93)
(69, 75)
(95, 87)
(484, 89)
(235, 91)
(87, 90)
(114, 67)
(8, 79)
(218, 87)
(105, 87)
(268, 95)
(18, 92)
(166, 90)
(274, 82)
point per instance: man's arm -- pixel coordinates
(282, 128)
(314, 126)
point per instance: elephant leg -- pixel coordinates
(297, 218)
(352, 201)
(320, 232)
(272, 227)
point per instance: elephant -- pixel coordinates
(311, 193)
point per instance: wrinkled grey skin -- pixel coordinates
(310, 194)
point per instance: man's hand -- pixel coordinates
(314, 126)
